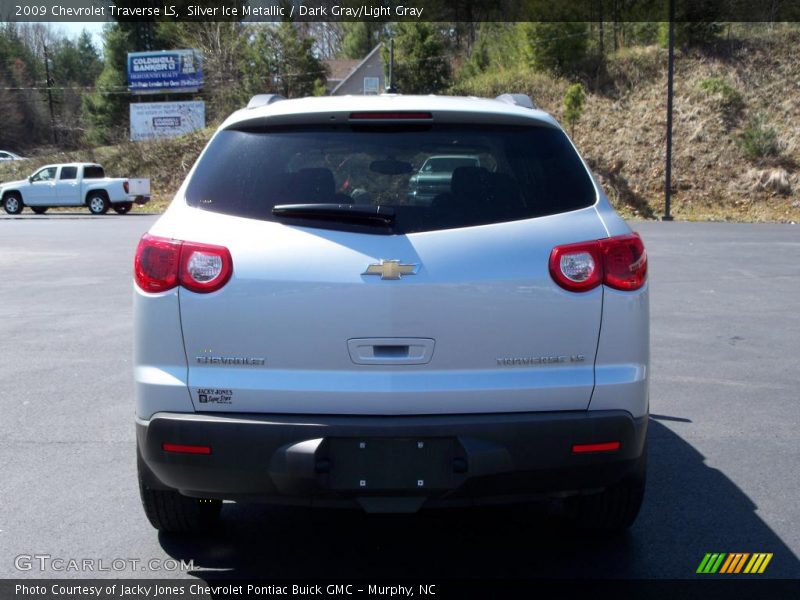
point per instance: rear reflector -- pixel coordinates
(184, 449)
(390, 116)
(588, 448)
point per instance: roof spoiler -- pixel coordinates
(522, 100)
(264, 100)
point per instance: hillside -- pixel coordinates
(725, 109)
(736, 132)
(727, 103)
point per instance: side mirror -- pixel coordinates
(30, 178)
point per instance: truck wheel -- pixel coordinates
(12, 203)
(98, 203)
(615, 508)
(122, 207)
(169, 511)
(39, 210)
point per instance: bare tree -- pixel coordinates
(221, 44)
(327, 39)
(38, 35)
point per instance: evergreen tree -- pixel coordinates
(280, 60)
(574, 100)
(23, 114)
(89, 58)
(361, 37)
(74, 65)
(106, 108)
(496, 46)
(422, 65)
(557, 47)
(690, 34)
(76, 62)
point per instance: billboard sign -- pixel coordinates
(150, 120)
(165, 71)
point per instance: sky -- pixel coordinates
(73, 30)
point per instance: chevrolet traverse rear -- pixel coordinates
(308, 332)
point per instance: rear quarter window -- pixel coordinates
(93, 173)
(493, 174)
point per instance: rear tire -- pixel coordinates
(613, 509)
(39, 210)
(12, 203)
(171, 512)
(98, 203)
(122, 208)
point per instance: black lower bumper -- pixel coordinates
(405, 461)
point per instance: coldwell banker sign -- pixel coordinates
(165, 71)
(165, 119)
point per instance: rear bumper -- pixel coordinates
(309, 460)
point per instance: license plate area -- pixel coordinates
(398, 464)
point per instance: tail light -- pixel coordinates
(619, 262)
(390, 116)
(155, 266)
(204, 268)
(624, 262)
(161, 264)
(126, 187)
(577, 267)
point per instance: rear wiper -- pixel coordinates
(373, 215)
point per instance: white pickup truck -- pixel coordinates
(73, 184)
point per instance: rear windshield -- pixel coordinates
(93, 173)
(493, 174)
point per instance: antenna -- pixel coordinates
(391, 89)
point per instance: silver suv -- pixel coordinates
(306, 333)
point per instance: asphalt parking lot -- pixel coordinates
(724, 455)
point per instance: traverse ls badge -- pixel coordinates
(391, 269)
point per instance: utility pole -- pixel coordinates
(50, 95)
(144, 35)
(390, 89)
(670, 77)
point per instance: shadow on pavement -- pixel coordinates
(689, 509)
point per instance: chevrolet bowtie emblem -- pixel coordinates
(391, 269)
